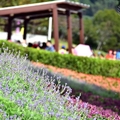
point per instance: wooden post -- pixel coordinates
(69, 31)
(9, 28)
(55, 28)
(81, 28)
(25, 28)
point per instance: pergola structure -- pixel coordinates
(46, 9)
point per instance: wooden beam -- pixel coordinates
(9, 28)
(25, 28)
(81, 28)
(70, 6)
(69, 31)
(55, 28)
(40, 16)
(25, 10)
(31, 14)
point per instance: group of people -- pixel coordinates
(111, 55)
(64, 50)
(46, 46)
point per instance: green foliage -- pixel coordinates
(12, 47)
(90, 33)
(12, 109)
(80, 64)
(96, 5)
(108, 28)
(6, 3)
(102, 31)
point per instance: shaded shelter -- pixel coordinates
(46, 9)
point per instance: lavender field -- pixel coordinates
(26, 94)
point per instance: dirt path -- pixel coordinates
(104, 82)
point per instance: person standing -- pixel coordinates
(63, 50)
(50, 47)
(110, 55)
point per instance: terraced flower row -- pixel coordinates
(108, 83)
(100, 98)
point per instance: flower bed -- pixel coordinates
(108, 83)
(26, 94)
(91, 95)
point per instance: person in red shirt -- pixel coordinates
(110, 55)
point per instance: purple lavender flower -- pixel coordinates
(26, 86)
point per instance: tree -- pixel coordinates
(6, 3)
(90, 33)
(102, 30)
(96, 5)
(105, 29)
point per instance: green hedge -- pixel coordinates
(93, 66)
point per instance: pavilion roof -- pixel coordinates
(41, 8)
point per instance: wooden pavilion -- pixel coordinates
(46, 9)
